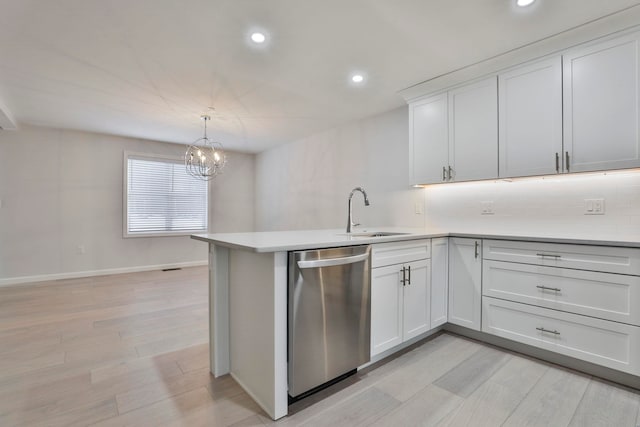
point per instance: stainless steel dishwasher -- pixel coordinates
(329, 315)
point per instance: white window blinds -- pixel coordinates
(161, 198)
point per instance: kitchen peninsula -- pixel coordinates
(248, 298)
(248, 301)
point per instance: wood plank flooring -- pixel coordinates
(132, 350)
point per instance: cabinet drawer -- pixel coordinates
(604, 295)
(611, 344)
(583, 257)
(398, 252)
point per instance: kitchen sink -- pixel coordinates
(369, 234)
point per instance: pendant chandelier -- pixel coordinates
(205, 158)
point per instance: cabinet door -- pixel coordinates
(465, 272)
(439, 281)
(386, 308)
(530, 119)
(428, 139)
(417, 298)
(473, 131)
(601, 109)
(611, 344)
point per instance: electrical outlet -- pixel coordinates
(487, 208)
(594, 206)
(81, 250)
(418, 208)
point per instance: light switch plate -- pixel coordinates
(487, 208)
(594, 206)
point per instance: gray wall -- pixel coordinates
(305, 184)
(62, 189)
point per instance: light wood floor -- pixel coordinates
(132, 350)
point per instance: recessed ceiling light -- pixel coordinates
(523, 3)
(357, 78)
(258, 37)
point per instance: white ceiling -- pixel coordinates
(149, 68)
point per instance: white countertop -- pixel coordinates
(277, 241)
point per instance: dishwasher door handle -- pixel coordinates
(332, 261)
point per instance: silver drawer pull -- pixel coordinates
(549, 255)
(545, 288)
(548, 331)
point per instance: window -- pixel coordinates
(161, 198)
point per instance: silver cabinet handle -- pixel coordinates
(557, 163)
(444, 173)
(450, 173)
(554, 332)
(332, 261)
(409, 274)
(544, 288)
(404, 277)
(566, 157)
(476, 249)
(549, 255)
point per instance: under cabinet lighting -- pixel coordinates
(524, 3)
(357, 78)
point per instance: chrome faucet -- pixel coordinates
(350, 223)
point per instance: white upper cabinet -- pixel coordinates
(428, 139)
(574, 112)
(473, 131)
(601, 110)
(530, 119)
(453, 136)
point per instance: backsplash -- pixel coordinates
(552, 205)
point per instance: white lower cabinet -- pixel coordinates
(400, 302)
(416, 294)
(611, 344)
(439, 281)
(465, 279)
(591, 293)
(579, 257)
(387, 299)
(576, 300)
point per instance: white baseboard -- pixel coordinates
(79, 274)
(378, 357)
